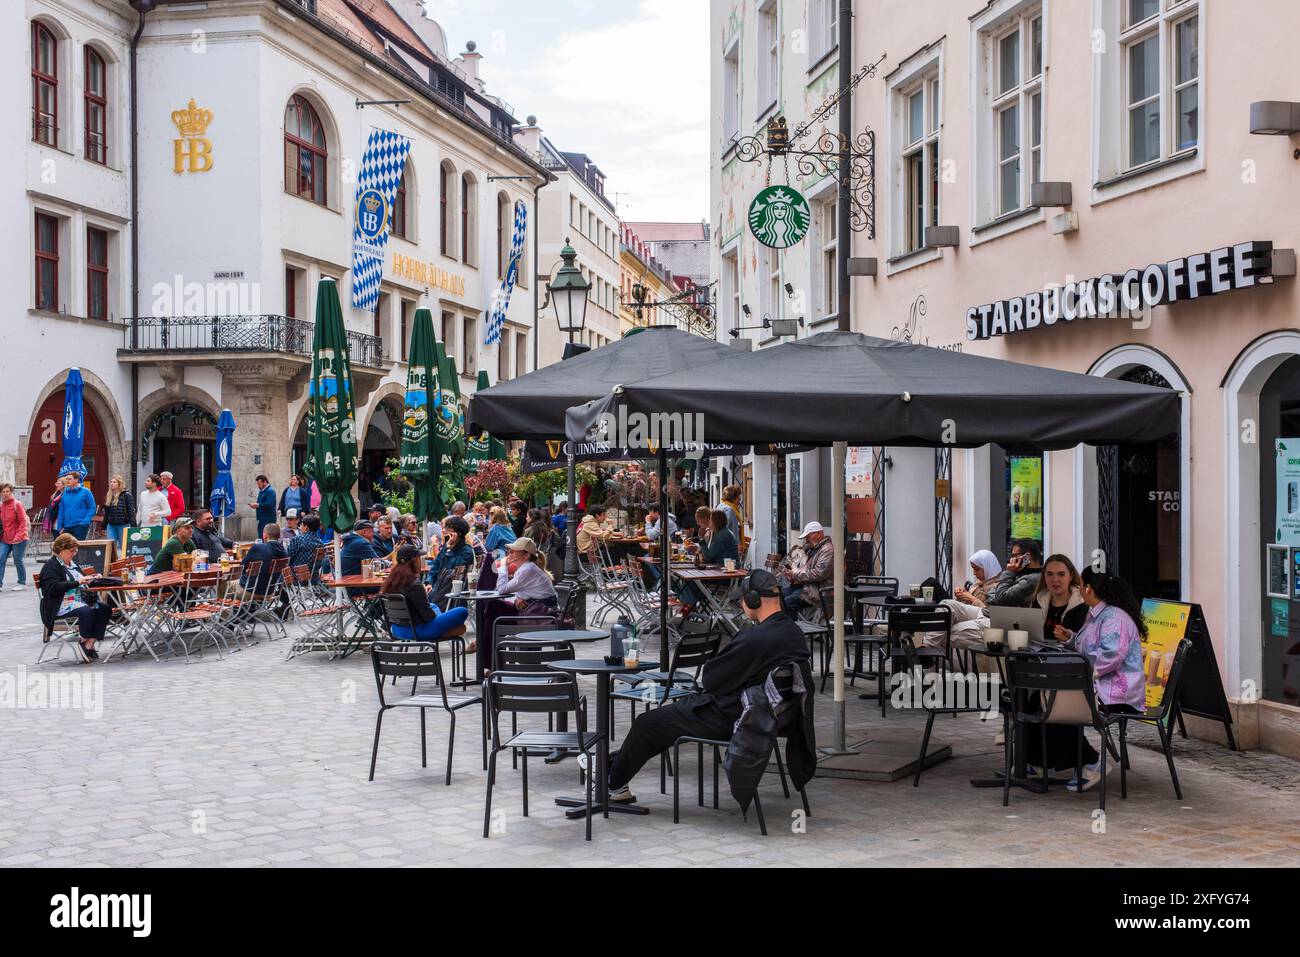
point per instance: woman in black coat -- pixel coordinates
(60, 575)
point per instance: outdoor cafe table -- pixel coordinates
(709, 582)
(149, 613)
(366, 605)
(1019, 777)
(603, 672)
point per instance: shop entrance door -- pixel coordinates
(1139, 502)
(1279, 421)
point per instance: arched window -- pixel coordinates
(45, 85)
(505, 226)
(444, 208)
(467, 219)
(305, 152)
(96, 107)
(399, 204)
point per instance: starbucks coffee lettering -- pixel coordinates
(1126, 295)
(428, 274)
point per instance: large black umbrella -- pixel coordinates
(533, 406)
(845, 387)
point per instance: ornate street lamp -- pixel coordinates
(569, 294)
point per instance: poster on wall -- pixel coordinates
(1026, 503)
(1280, 618)
(1288, 493)
(1166, 623)
(1278, 567)
(858, 463)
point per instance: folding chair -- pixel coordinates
(64, 634)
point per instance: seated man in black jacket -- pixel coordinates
(744, 663)
(267, 551)
(208, 539)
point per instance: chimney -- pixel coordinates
(529, 138)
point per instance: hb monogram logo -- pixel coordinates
(193, 151)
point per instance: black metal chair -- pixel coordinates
(1063, 683)
(1156, 716)
(515, 695)
(416, 660)
(905, 617)
(510, 625)
(783, 679)
(528, 661)
(866, 648)
(875, 605)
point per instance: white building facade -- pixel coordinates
(252, 119)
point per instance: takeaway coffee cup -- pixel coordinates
(995, 637)
(1018, 640)
(729, 564)
(914, 591)
(928, 593)
(457, 586)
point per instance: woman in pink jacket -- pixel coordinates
(14, 530)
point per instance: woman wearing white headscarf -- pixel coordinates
(968, 604)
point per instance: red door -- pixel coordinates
(45, 451)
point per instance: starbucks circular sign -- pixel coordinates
(779, 217)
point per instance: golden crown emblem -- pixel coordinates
(372, 202)
(192, 121)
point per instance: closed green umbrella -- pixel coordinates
(482, 448)
(420, 459)
(331, 416)
(451, 422)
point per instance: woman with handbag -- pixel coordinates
(63, 595)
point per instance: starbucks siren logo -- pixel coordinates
(779, 217)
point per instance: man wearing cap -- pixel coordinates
(808, 568)
(289, 531)
(358, 547)
(181, 542)
(525, 588)
(746, 662)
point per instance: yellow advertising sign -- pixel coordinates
(1166, 623)
(1027, 497)
(193, 151)
(428, 274)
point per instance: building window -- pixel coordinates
(470, 345)
(448, 330)
(731, 93)
(291, 292)
(399, 204)
(444, 209)
(96, 108)
(828, 273)
(731, 289)
(1159, 46)
(823, 28)
(96, 273)
(381, 312)
(47, 262)
(769, 55)
(573, 210)
(916, 121)
(45, 85)
(1014, 53)
(468, 200)
(503, 234)
(404, 327)
(305, 152)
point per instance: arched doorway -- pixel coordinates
(181, 439)
(45, 450)
(1139, 505)
(383, 441)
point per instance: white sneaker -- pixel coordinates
(1091, 778)
(623, 795)
(19, 588)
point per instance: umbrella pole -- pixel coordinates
(665, 552)
(837, 540)
(338, 574)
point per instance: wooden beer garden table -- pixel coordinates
(367, 606)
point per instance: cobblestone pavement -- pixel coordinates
(254, 760)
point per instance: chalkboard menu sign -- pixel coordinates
(147, 541)
(97, 555)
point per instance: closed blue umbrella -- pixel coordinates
(74, 425)
(223, 489)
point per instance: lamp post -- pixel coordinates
(568, 293)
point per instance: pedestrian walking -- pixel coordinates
(119, 509)
(154, 507)
(77, 509)
(14, 530)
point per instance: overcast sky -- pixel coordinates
(624, 81)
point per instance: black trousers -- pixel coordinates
(1063, 741)
(92, 621)
(654, 731)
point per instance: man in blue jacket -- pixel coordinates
(265, 504)
(76, 509)
(357, 548)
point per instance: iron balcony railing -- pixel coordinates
(224, 334)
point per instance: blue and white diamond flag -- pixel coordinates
(501, 299)
(381, 173)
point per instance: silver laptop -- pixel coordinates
(1011, 619)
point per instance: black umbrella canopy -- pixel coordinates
(848, 387)
(533, 406)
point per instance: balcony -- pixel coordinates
(198, 338)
